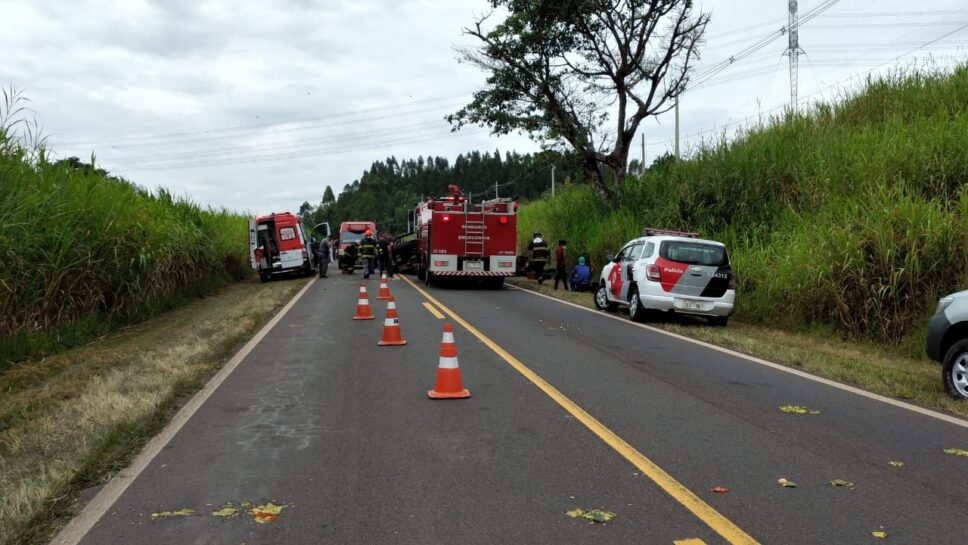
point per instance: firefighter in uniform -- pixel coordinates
(368, 252)
(539, 256)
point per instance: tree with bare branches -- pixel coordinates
(585, 72)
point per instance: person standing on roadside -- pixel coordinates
(561, 268)
(539, 256)
(385, 247)
(322, 256)
(368, 253)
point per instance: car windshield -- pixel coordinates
(349, 237)
(694, 253)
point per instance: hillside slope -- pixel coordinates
(852, 217)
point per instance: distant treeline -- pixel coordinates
(391, 188)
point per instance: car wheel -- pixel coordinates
(718, 321)
(601, 299)
(636, 311)
(954, 371)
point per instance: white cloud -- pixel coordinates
(102, 75)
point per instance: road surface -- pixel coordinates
(569, 409)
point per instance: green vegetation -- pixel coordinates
(852, 218)
(84, 251)
(70, 421)
(391, 188)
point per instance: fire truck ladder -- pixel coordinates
(473, 232)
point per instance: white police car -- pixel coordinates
(669, 271)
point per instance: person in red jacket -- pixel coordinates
(561, 267)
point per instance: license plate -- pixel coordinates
(692, 305)
(473, 265)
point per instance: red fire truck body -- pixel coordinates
(459, 238)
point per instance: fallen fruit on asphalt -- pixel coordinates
(719, 489)
(841, 482)
(956, 451)
(895, 463)
(879, 535)
(786, 483)
(227, 510)
(797, 409)
(180, 513)
(264, 514)
(593, 515)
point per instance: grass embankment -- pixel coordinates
(70, 421)
(863, 364)
(852, 218)
(83, 251)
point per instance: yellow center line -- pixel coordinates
(431, 309)
(702, 510)
(693, 541)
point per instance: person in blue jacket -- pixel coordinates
(581, 276)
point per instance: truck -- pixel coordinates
(352, 232)
(459, 238)
(279, 245)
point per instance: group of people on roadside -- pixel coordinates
(540, 254)
(370, 251)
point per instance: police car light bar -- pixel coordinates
(650, 232)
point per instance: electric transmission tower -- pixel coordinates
(794, 51)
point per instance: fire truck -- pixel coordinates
(455, 237)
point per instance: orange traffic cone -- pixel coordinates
(448, 384)
(363, 311)
(391, 327)
(384, 288)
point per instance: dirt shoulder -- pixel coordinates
(869, 366)
(69, 422)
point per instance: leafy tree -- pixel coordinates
(328, 196)
(586, 72)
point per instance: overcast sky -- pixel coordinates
(257, 106)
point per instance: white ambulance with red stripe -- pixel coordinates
(457, 237)
(670, 272)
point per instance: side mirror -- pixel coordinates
(609, 258)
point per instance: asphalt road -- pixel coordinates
(319, 419)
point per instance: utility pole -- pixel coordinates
(793, 51)
(677, 128)
(552, 180)
(496, 196)
(642, 164)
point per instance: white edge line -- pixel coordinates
(80, 525)
(802, 374)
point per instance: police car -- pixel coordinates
(672, 272)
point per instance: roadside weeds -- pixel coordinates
(860, 364)
(71, 421)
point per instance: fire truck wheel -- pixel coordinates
(428, 278)
(494, 283)
(421, 273)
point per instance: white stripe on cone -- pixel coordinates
(448, 338)
(447, 363)
(390, 322)
(392, 305)
(364, 301)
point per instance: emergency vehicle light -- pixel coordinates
(503, 220)
(440, 263)
(445, 218)
(505, 264)
(650, 232)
